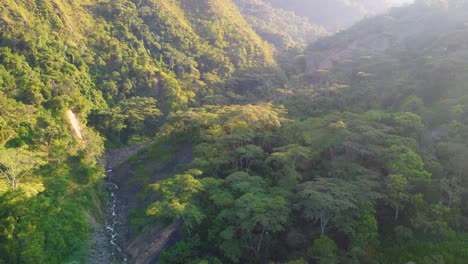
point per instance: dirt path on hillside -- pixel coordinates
(75, 124)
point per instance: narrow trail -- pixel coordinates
(108, 239)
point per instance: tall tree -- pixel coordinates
(178, 200)
(325, 200)
(18, 163)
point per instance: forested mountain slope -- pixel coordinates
(282, 28)
(406, 55)
(352, 151)
(359, 157)
(117, 66)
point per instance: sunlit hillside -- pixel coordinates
(243, 131)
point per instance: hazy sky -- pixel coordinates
(399, 2)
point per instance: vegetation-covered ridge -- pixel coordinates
(352, 151)
(282, 28)
(359, 157)
(118, 67)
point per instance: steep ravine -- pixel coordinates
(107, 240)
(112, 241)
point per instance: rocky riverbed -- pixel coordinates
(108, 239)
(112, 241)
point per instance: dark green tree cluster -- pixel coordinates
(76, 73)
(358, 159)
(284, 29)
(341, 176)
(353, 151)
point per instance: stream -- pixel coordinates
(115, 221)
(110, 239)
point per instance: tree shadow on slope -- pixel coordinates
(146, 237)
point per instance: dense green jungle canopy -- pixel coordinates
(352, 149)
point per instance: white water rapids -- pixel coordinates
(114, 220)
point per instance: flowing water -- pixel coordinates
(115, 221)
(108, 241)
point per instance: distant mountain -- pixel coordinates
(335, 14)
(419, 50)
(279, 27)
